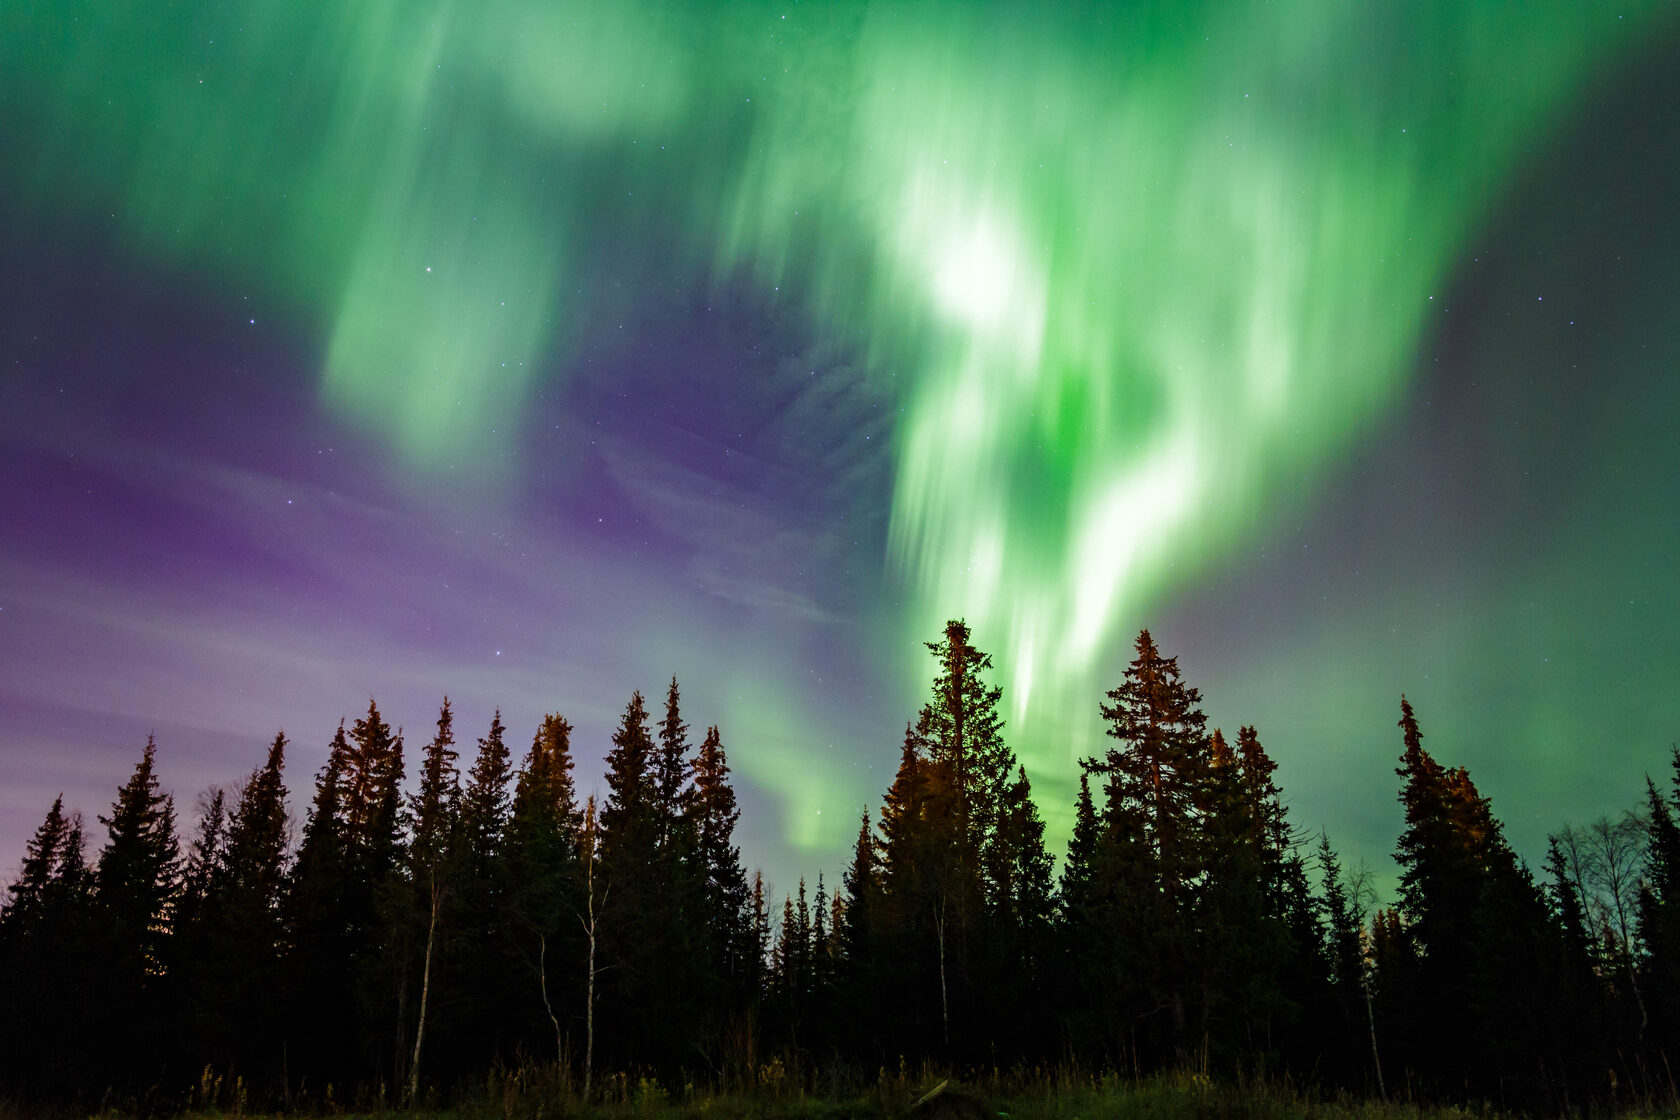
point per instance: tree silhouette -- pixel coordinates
(1152, 779)
(136, 883)
(47, 963)
(543, 873)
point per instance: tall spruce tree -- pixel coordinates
(206, 859)
(1480, 930)
(485, 802)
(377, 901)
(138, 875)
(670, 775)
(684, 950)
(43, 857)
(715, 815)
(136, 883)
(650, 996)
(911, 942)
(233, 971)
(47, 969)
(965, 872)
(1236, 947)
(479, 912)
(258, 839)
(760, 925)
(860, 971)
(1152, 827)
(1354, 1017)
(1659, 919)
(371, 800)
(321, 1024)
(962, 733)
(1077, 972)
(543, 891)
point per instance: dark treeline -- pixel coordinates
(403, 943)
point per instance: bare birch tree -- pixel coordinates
(590, 920)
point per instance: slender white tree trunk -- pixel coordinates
(425, 986)
(589, 999)
(1371, 1018)
(589, 928)
(944, 1002)
(542, 984)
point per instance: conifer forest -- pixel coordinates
(442, 911)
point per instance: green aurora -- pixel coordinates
(1131, 273)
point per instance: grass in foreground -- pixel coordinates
(544, 1093)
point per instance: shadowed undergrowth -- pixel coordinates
(773, 1092)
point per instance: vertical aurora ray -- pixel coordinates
(1132, 271)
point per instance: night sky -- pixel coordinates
(535, 352)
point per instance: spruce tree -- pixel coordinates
(1659, 919)
(482, 939)
(647, 996)
(136, 883)
(321, 1025)
(670, 772)
(1235, 948)
(379, 896)
(1153, 777)
(545, 902)
(42, 858)
(485, 802)
(138, 875)
(683, 952)
(715, 815)
(1018, 959)
(1480, 929)
(233, 971)
(48, 971)
(372, 799)
(199, 969)
(760, 925)
(435, 809)
(206, 859)
(820, 998)
(859, 969)
(1581, 1005)
(966, 874)
(911, 944)
(257, 842)
(966, 770)
(1073, 887)
(1350, 982)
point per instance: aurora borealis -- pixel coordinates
(534, 352)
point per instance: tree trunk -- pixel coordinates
(589, 1002)
(1371, 1018)
(944, 1002)
(589, 927)
(542, 985)
(425, 987)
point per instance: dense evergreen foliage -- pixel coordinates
(398, 944)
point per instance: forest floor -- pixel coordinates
(1046, 1096)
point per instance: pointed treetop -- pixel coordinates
(43, 856)
(671, 765)
(484, 803)
(1220, 757)
(140, 866)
